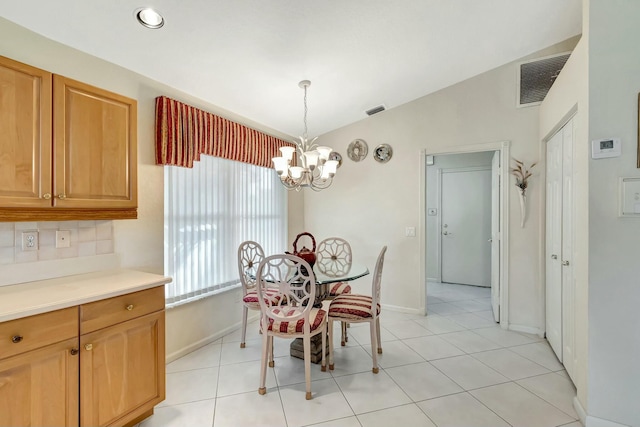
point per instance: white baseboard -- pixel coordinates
(399, 309)
(590, 421)
(207, 340)
(599, 422)
(580, 410)
(526, 329)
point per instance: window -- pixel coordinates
(209, 210)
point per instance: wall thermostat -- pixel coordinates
(602, 148)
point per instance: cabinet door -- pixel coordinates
(25, 135)
(40, 387)
(122, 371)
(95, 150)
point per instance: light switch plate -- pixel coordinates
(63, 238)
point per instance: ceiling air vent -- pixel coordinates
(536, 77)
(375, 110)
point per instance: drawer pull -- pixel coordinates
(129, 307)
(16, 338)
(74, 351)
(88, 347)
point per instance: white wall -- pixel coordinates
(433, 201)
(602, 79)
(139, 243)
(614, 270)
(370, 204)
(569, 96)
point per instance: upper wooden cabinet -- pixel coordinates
(80, 165)
(25, 135)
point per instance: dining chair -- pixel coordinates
(292, 315)
(333, 256)
(250, 254)
(356, 308)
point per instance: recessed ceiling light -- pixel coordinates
(149, 18)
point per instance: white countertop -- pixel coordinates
(27, 299)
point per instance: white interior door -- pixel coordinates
(568, 282)
(553, 294)
(466, 226)
(560, 286)
(495, 236)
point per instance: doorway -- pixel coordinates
(463, 197)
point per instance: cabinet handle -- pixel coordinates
(62, 196)
(16, 338)
(554, 256)
(46, 196)
(129, 307)
(74, 351)
(565, 263)
(88, 347)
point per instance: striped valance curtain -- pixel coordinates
(184, 132)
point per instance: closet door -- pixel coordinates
(568, 281)
(560, 283)
(554, 244)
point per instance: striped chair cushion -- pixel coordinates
(352, 307)
(339, 289)
(251, 298)
(316, 317)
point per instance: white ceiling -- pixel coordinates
(247, 56)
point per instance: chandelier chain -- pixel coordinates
(305, 113)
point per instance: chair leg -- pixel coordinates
(306, 341)
(330, 326)
(374, 344)
(271, 364)
(245, 312)
(323, 368)
(263, 366)
(345, 338)
(378, 335)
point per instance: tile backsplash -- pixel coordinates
(87, 238)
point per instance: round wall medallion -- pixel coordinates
(334, 155)
(383, 153)
(357, 150)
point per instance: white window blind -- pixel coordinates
(209, 210)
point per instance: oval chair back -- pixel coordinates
(250, 254)
(334, 256)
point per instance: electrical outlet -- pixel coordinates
(410, 232)
(29, 240)
(63, 238)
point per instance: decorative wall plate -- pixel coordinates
(383, 153)
(357, 150)
(334, 155)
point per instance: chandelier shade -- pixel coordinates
(316, 170)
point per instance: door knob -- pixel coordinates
(554, 256)
(490, 240)
(446, 233)
(88, 347)
(565, 263)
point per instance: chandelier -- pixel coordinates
(316, 170)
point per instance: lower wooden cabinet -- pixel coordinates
(40, 387)
(110, 373)
(122, 371)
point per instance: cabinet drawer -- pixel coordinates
(28, 333)
(100, 314)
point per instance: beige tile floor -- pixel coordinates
(454, 367)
